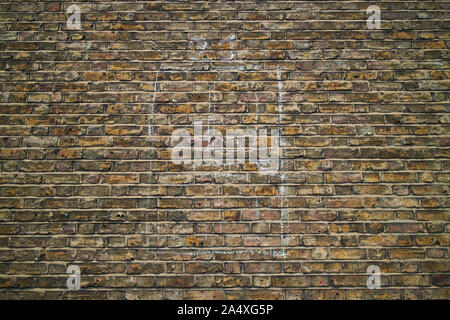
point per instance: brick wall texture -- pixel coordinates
(88, 177)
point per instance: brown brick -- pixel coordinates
(87, 177)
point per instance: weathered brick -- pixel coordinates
(87, 177)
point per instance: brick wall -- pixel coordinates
(86, 136)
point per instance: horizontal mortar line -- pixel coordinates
(235, 235)
(181, 249)
(320, 103)
(228, 250)
(160, 24)
(222, 114)
(234, 82)
(255, 2)
(217, 91)
(216, 71)
(226, 60)
(222, 32)
(218, 118)
(288, 222)
(221, 173)
(116, 148)
(364, 50)
(194, 23)
(118, 19)
(185, 46)
(287, 260)
(275, 91)
(238, 9)
(231, 196)
(300, 183)
(231, 222)
(161, 49)
(209, 221)
(108, 23)
(238, 69)
(199, 184)
(234, 126)
(143, 137)
(249, 236)
(217, 235)
(71, 209)
(280, 260)
(307, 72)
(290, 9)
(232, 250)
(203, 167)
(219, 273)
(440, 36)
(275, 184)
(104, 147)
(222, 165)
(218, 113)
(189, 210)
(239, 196)
(218, 81)
(229, 70)
(213, 122)
(225, 172)
(238, 102)
(218, 209)
(286, 92)
(199, 210)
(201, 197)
(238, 288)
(224, 250)
(246, 288)
(218, 61)
(97, 291)
(184, 81)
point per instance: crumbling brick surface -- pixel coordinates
(87, 175)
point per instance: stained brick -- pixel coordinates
(87, 177)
